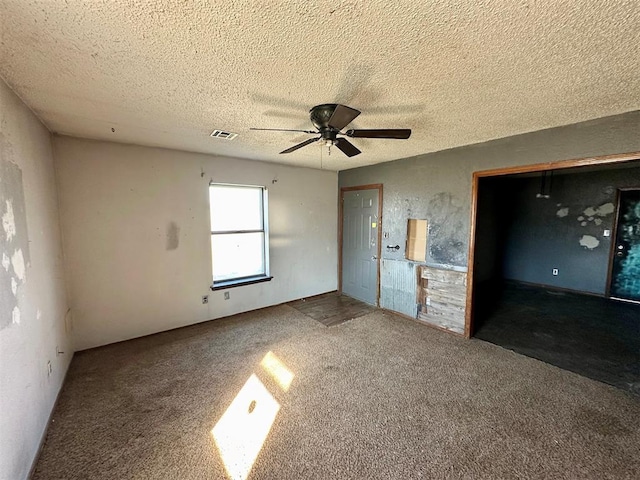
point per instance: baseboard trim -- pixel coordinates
(625, 300)
(43, 438)
(225, 317)
(553, 287)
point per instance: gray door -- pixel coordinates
(625, 270)
(360, 245)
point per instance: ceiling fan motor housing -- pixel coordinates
(321, 114)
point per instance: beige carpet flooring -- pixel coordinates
(380, 397)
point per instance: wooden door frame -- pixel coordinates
(538, 167)
(373, 186)
(614, 235)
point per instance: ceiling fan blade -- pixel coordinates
(283, 130)
(342, 116)
(347, 147)
(300, 145)
(400, 133)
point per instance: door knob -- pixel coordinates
(374, 258)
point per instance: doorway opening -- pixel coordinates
(544, 255)
(624, 269)
(359, 242)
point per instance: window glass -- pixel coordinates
(235, 208)
(237, 255)
(239, 237)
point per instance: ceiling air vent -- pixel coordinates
(223, 135)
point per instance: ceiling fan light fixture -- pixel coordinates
(329, 120)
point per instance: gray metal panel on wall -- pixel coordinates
(399, 285)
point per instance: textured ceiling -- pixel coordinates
(167, 73)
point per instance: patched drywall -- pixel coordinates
(438, 185)
(32, 291)
(446, 230)
(14, 239)
(137, 236)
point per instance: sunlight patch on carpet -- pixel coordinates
(242, 430)
(277, 370)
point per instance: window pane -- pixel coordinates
(235, 208)
(237, 255)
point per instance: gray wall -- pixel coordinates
(546, 233)
(437, 186)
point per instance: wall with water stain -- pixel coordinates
(565, 231)
(137, 236)
(437, 186)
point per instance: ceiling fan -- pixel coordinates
(329, 120)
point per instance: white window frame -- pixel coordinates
(264, 276)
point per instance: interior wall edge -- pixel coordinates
(35, 345)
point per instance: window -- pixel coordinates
(239, 235)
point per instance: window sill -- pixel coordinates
(239, 282)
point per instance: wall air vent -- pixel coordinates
(223, 135)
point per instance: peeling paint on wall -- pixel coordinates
(15, 316)
(447, 233)
(589, 212)
(601, 211)
(14, 242)
(17, 262)
(588, 241)
(563, 212)
(595, 214)
(173, 236)
(8, 221)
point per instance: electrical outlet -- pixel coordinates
(226, 295)
(554, 272)
(49, 369)
(205, 299)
